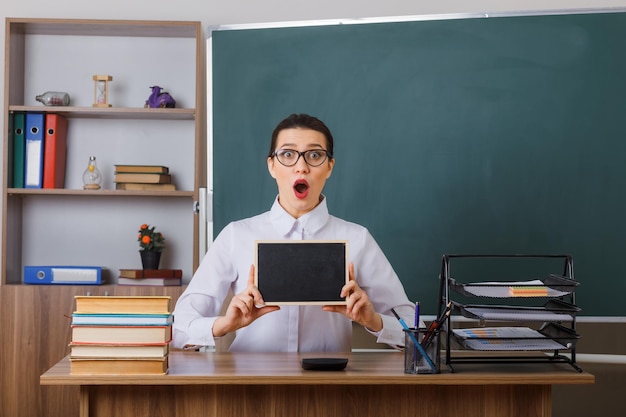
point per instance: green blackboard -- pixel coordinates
(478, 135)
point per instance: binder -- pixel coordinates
(55, 149)
(19, 149)
(9, 151)
(75, 275)
(33, 165)
(16, 151)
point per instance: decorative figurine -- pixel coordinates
(160, 99)
(101, 90)
(91, 176)
(54, 98)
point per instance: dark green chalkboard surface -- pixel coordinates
(479, 135)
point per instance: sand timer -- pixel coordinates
(101, 90)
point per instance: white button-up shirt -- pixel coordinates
(226, 266)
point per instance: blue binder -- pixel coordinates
(33, 166)
(75, 275)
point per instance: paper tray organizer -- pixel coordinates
(549, 336)
(552, 310)
(555, 285)
(554, 307)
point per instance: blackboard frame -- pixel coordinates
(301, 262)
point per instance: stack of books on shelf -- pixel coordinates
(120, 335)
(143, 178)
(37, 150)
(155, 277)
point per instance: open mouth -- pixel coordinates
(301, 188)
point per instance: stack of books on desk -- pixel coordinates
(120, 335)
(143, 178)
(154, 277)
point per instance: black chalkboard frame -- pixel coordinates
(315, 271)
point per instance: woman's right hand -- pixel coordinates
(244, 308)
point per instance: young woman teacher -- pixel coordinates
(300, 160)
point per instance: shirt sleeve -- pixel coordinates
(392, 332)
(201, 303)
(376, 277)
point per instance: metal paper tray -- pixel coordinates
(550, 336)
(553, 310)
(558, 286)
(560, 333)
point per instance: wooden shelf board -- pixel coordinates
(95, 27)
(97, 193)
(111, 112)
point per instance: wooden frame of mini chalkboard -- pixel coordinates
(301, 272)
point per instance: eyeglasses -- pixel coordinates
(290, 157)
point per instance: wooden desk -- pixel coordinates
(273, 384)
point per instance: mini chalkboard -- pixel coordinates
(301, 271)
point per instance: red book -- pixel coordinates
(151, 273)
(157, 282)
(55, 149)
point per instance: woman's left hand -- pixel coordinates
(358, 306)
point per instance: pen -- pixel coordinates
(418, 346)
(417, 315)
(416, 325)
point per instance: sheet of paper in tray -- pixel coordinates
(505, 338)
(503, 289)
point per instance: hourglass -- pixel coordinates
(101, 90)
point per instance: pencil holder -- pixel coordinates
(421, 351)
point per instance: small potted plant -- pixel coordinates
(151, 244)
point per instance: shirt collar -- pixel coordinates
(312, 221)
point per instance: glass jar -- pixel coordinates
(54, 98)
(91, 176)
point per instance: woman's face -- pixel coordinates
(300, 186)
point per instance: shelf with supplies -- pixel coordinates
(536, 316)
(136, 55)
(69, 60)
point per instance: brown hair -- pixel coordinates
(303, 121)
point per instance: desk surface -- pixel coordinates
(364, 368)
